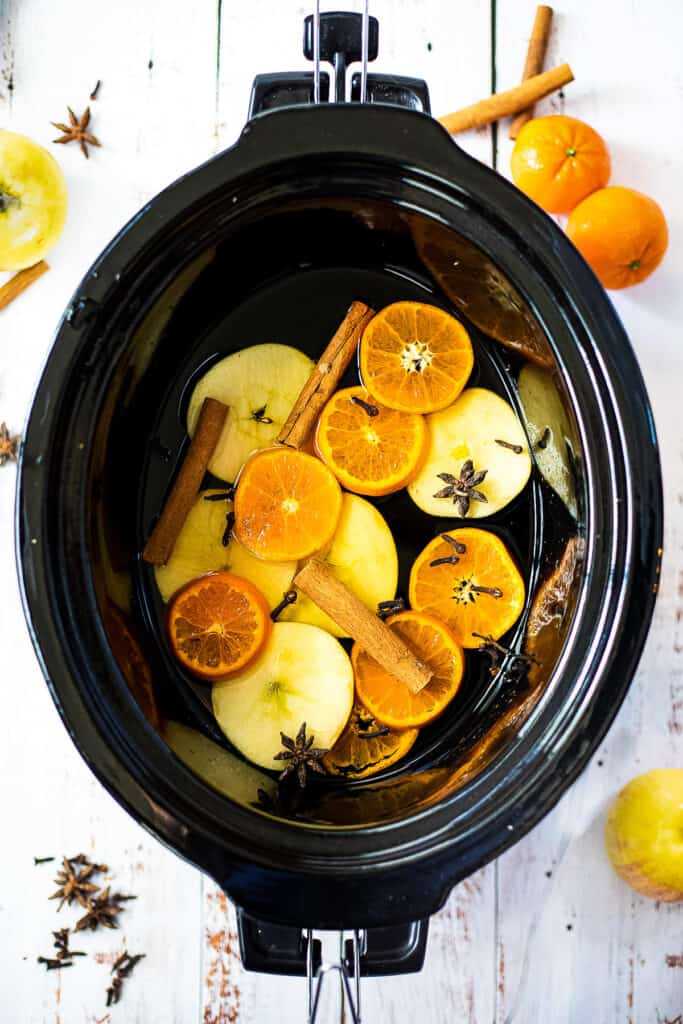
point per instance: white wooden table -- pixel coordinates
(547, 934)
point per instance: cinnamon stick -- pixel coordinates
(159, 547)
(503, 104)
(20, 282)
(319, 583)
(325, 377)
(535, 59)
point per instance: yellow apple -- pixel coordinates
(644, 834)
(32, 201)
(362, 554)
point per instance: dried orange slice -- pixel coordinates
(390, 700)
(470, 582)
(218, 624)
(369, 448)
(366, 746)
(415, 357)
(287, 505)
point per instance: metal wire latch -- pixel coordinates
(350, 995)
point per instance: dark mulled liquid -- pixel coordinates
(291, 282)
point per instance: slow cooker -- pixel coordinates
(317, 203)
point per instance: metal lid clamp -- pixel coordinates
(339, 38)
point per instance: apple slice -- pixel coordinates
(260, 385)
(199, 549)
(304, 675)
(218, 767)
(482, 428)
(549, 431)
(362, 555)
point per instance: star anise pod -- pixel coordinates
(9, 445)
(76, 131)
(463, 489)
(301, 756)
(102, 910)
(73, 884)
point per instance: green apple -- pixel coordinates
(547, 422)
(471, 430)
(199, 549)
(259, 385)
(644, 834)
(32, 201)
(218, 767)
(303, 675)
(362, 555)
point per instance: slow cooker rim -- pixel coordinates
(29, 555)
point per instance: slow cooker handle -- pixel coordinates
(339, 38)
(286, 949)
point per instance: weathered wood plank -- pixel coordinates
(153, 122)
(579, 945)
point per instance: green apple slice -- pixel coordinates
(362, 555)
(471, 429)
(304, 675)
(547, 422)
(199, 549)
(214, 765)
(259, 385)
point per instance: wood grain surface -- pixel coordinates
(545, 935)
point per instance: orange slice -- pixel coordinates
(218, 624)
(415, 358)
(287, 505)
(366, 746)
(369, 448)
(477, 589)
(390, 700)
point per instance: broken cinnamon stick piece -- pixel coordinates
(535, 59)
(348, 611)
(325, 377)
(503, 104)
(20, 282)
(159, 547)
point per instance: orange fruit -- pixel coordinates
(287, 505)
(370, 449)
(366, 746)
(415, 357)
(558, 160)
(390, 700)
(621, 233)
(482, 592)
(218, 624)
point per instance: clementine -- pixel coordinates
(621, 233)
(370, 449)
(218, 624)
(558, 160)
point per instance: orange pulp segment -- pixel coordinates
(390, 700)
(415, 357)
(482, 592)
(366, 746)
(218, 624)
(287, 505)
(370, 449)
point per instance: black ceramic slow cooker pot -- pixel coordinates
(314, 206)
